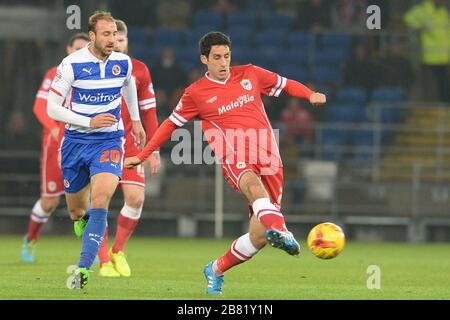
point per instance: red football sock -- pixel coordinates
(240, 251)
(38, 219)
(125, 228)
(34, 229)
(269, 215)
(103, 250)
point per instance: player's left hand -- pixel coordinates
(131, 162)
(154, 163)
(317, 99)
(139, 133)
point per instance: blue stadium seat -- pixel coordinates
(293, 57)
(263, 58)
(362, 137)
(300, 40)
(242, 19)
(186, 52)
(137, 36)
(327, 75)
(259, 6)
(275, 38)
(243, 56)
(206, 19)
(391, 114)
(240, 36)
(331, 57)
(194, 35)
(294, 72)
(391, 94)
(336, 41)
(277, 21)
(189, 64)
(346, 113)
(149, 55)
(170, 38)
(355, 95)
(362, 142)
(333, 142)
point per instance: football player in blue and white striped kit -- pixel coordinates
(86, 95)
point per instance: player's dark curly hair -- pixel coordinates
(212, 39)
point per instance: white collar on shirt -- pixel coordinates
(217, 81)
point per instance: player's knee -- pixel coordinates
(76, 214)
(49, 204)
(135, 200)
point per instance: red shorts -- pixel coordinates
(135, 176)
(51, 176)
(273, 183)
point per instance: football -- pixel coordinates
(326, 240)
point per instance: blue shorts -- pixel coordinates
(80, 161)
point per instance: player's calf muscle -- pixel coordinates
(252, 187)
(256, 231)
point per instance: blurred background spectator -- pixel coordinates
(173, 14)
(349, 15)
(298, 122)
(431, 19)
(169, 78)
(313, 15)
(361, 69)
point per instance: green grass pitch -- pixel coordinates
(172, 269)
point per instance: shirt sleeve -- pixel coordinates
(147, 102)
(270, 83)
(62, 82)
(146, 94)
(40, 103)
(129, 72)
(185, 110)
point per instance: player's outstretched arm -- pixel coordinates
(298, 90)
(161, 135)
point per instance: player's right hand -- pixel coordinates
(317, 99)
(131, 162)
(103, 120)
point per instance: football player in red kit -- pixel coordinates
(51, 178)
(113, 263)
(227, 100)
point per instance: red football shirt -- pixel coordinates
(232, 114)
(40, 103)
(147, 107)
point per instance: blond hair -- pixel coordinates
(99, 15)
(121, 26)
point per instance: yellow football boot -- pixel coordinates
(107, 270)
(120, 263)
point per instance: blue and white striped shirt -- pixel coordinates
(90, 87)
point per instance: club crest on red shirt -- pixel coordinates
(246, 84)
